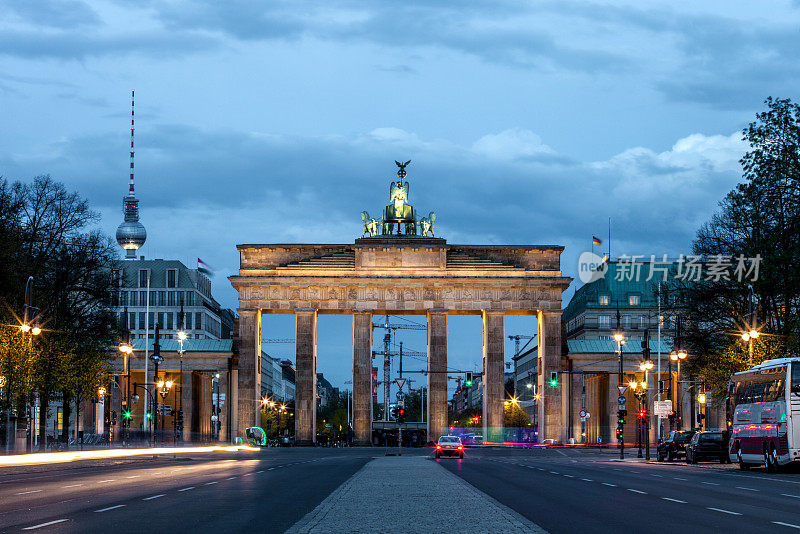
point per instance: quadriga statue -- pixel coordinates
(426, 224)
(370, 225)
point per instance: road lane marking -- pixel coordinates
(230, 478)
(270, 469)
(102, 481)
(637, 491)
(679, 478)
(260, 471)
(153, 497)
(710, 483)
(209, 483)
(45, 524)
(187, 489)
(659, 476)
(607, 484)
(673, 500)
(587, 479)
(109, 508)
(786, 524)
(133, 476)
(723, 511)
(72, 486)
(792, 496)
(748, 489)
(247, 474)
(569, 476)
(27, 492)
(554, 472)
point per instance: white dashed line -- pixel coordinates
(586, 479)
(209, 483)
(27, 492)
(109, 480)
(679, 478)
(747, 489)
(230, 478)
(554, 472)
(187, 489)
(792, 496)
(45, 524)
(133, 476)
(260, 471)
(659, 476)
(710, 483)
(637, 491)
(569, 476)
(247, 474)
(72, 486)
(270, 469)
(109, 508)
(723, 511)
(781, 523)
(673, 500)
(153, 497)
(611, 485)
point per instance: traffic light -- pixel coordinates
(148, 415)
(671, 416)
(401, 415)
(619, 431)
(393, 412)
(642, 414)
(468, 381)
(553, 379)
(621, 416)
(127, 415)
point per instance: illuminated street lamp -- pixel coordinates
(101, 391)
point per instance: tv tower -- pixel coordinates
(131, 234)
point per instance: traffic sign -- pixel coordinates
(621, 400)
(400, 395)
(662, 408)
(584, 413)
(622, 389)
(400, 382)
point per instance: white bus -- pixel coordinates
(764, 414)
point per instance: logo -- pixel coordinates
(591, 267)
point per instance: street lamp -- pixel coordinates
(701, 398)
(164, 386)
(182, 336)
(619, 337)
(678, 356)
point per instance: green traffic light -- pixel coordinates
(148, 415)
(553, 383)
(469, 383)
(127, 415)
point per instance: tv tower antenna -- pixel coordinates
(131, 234)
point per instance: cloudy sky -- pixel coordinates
(527, 122)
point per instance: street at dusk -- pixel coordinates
(330, 267)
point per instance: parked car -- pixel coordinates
(449, 446)
(675, 445)
(708, 446)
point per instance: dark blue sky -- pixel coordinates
(526, 122)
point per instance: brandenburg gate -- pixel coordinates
(396, 268)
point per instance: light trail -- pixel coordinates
(63, 457)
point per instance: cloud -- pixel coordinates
(52, 13)
(210, 190)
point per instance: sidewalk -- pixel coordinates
(409, 494)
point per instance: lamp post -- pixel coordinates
(619, 338)
(644, 415)
(156, 357)
(30, 326)
(678, 356)
(126, 349)
(163, 389)
(179, 421)
(701, 398)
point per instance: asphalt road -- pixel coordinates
(561, 490)
(569, 490)
(265, 491)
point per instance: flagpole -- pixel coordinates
(609, 239)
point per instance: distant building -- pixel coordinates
(277, 378)
(325, 390)
(166, 293)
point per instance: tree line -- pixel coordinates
(48, 233)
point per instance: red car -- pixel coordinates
(449, 446)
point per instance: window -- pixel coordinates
(161, 320)
(633, 300)
(142, 298)
(198, 321)
(162, 298)
(171, 298)
(796, 378)
(180, 298)
(114, 299)
(604, 300)
(143, 276)
(131, 321)
(190, 298)
(604, 338)
(604, 321)
(141, 320)
(626, 321)
(132, 298)
(152, 298)
(116, 277)
(172, 275)
(643, 321)
(169, 320)
(123, 298)
(151, 318)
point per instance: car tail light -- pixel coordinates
(460, 447)
(438, 447)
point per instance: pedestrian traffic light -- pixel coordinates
(468, 381)
(553, 379)
(401, 415)
(619, 431)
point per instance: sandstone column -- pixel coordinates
(362, 377)
(493, 374)
(249, 380)
(551, 424)
(305, 393)
(188, 402)
(437, 374)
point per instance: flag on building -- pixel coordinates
(204, 268)
(596, 241)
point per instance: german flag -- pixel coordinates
(596, 241)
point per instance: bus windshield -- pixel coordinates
(796, 378)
